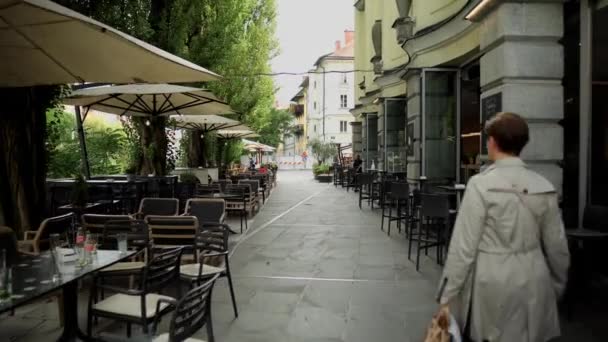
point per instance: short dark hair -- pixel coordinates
(510, 131)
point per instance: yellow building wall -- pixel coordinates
(430, 12)
(425, 13)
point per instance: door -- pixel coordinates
(440, 125)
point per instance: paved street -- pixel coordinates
(313, 267)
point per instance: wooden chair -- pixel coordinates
(173, 231)
(206, 210)
(35, 240)
(95, 223)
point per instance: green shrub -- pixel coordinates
(319, 169)
(188, 178)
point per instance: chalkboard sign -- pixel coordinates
(489, 107)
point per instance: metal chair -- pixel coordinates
(208, 189)
(35, 240)
(211, 248)
(143, 305)
(433, 226)
(239, 202)
(157, 206)
(397, 197)
(206, 210)
(365, 185)
(95, 223)
(263, 185)
(138, 238)
(223, 183)
(191, 313)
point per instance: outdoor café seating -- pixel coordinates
(36, 240)
(191, 313)
(211, 251)
(158, 206)
(142, 305)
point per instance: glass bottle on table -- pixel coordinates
(79, 247)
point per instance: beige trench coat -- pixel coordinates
(508, 258)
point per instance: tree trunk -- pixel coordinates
(23, 162)
(153, 140)
(196, 149)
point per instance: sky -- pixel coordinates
(307, 29)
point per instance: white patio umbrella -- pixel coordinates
(43, 43)
(237, 132)
(149, 100)
(205, 123)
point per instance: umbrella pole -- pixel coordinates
(83, 146)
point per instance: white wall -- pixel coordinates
(334, 112)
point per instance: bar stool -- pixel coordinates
(433, 226)
(398, 197)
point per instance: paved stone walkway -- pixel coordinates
(312, 267)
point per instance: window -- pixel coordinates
(343, 101)
(314, 105)
(345, 78)
(315, 128)
(315, 85)
(343, 126)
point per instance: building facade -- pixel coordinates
(436, 70)
(299, 109)
(330, 94)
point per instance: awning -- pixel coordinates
(43, 43)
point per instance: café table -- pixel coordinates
(34, 277)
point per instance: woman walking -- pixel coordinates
(508, 258)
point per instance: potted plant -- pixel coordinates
(322, 173)
(80, 193)
(131, 171)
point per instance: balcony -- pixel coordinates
(298, 129)
(297, 110)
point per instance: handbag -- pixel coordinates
(443, 327)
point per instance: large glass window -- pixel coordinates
(395, 151)
(599, 124)
(440, 125)
(470, 126)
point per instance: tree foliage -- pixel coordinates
(322, 151)
(273, 125)
(107, 146)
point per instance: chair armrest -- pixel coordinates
(157, 317)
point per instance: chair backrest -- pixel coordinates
(8, 242)
(138, 236)
(162, 270)
(95, 223)
(223, 183)
(399, 190)
(212, 238)
(434, 205)
(255, 184)
(595, 217)
(55, 225)
(192, 312)
(236, 189)
(206, 189)
(261, 178)
(159, 206)
(206, 210)
(169, 231)
(365, 178)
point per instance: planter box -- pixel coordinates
(325, 178)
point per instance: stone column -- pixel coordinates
(521, 71)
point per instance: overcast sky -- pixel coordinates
(307, 29)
